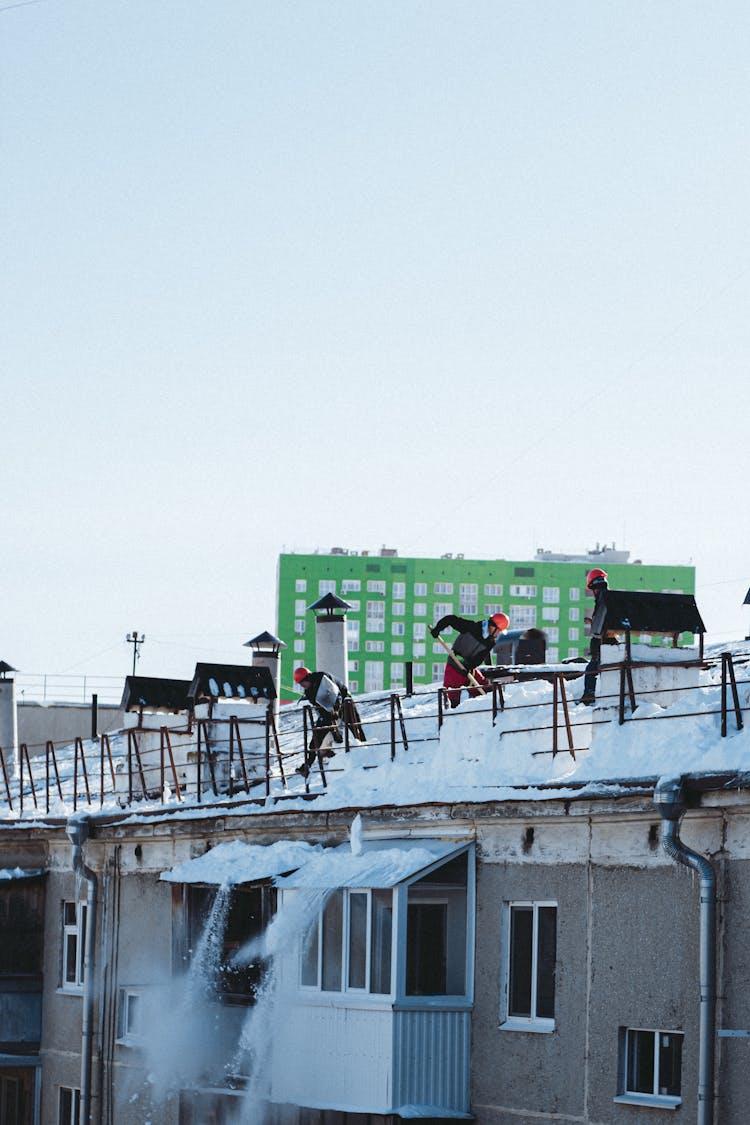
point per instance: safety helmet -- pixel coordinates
(301, 674)
(597, 576)
(501, 620)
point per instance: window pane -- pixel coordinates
(670, 1064)
(71, 958)
(426, 932)
(519, 989)
(545, 970)
(332, 931)
(380, 942)
(309, 975)
(640, 1073)
(70, 913)
(357, 940)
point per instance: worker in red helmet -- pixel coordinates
(472, 647)
(332, 702)
(596, 585)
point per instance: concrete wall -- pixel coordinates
(61, 723)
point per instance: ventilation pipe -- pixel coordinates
(8, 719)
(78, 832)
(331, 652)
(669, 799)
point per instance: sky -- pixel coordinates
(467, 277)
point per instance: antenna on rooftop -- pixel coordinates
(136, 641)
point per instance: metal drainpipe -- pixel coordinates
(669, 799)
(78, 832)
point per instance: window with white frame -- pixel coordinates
(354, 686)
(69, 1106)
(493, 590)
(299, 625)
(437, 673)
(574, 634)
(468, 597)
(354, 605)
(398, 609)
(437, 649)
(373, 675)
(650, 1067)
(349, 946)
(299, 646)
(352, 636)
(529, 947)
(418, 649)
(550, 613)
(574, 594)
(130, 1016)
(492, 607)
(353, 665)
(443, 588)
(418, 669)
(374, 646)
(326, 586)
(419, 630)
(74, 945)
(442, 609)
(574, 614)
(397, 673)
(398, 590)
(398, 629)
(375, 586)
(523, 591)
(351, 586)
(420, 589)
(553, 634)
(300, 586)
(572, 653)
(522, 616)
(553, 655)
(397, 648)
(419, 609)
(550, 594)
(300, 608)
(375, 617)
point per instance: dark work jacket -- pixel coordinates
(470, 645)
(311, 691)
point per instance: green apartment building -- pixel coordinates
(394, 600)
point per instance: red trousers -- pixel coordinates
(455, 681)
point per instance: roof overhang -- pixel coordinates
(237, 862)
(378, 866)
(15, 874)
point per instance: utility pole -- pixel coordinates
(136, 642)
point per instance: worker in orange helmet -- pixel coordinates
(596, 585)
(472, 647)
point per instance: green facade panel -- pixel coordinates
(395, 600)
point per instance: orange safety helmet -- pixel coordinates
(501, 620)
(301, 674)
(595, 575)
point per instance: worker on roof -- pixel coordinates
(472, 647)
(596, 585)
(332, 702)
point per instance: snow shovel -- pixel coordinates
(469, 675)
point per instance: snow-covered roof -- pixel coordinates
(377, 866)
(236, 862)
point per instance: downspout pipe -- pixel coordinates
(78, 831)
(669, 799)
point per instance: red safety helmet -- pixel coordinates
(595, 575)
(501, 620)
(301, 674)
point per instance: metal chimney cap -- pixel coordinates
(265, 640)
(5, 668)
(329, 602)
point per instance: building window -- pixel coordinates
(299, 625)
(436, 932)
(351, 586)
(650, 1067)
(574, 614)
(550, 613)
(529, 937)
(129, 1016)
(74, 944)
(374, 646)
(326, 586)
(349, 949)
(398, 590)
(300, 586)
(553, 635)
(468, 597)
(418, 669)
(354, 686)
(443, 588)
(493, 590)
(397, 648)
(352, 636)
(300, 609)
(523, 591)
(437, 671)
(523, 616)
(442, 609)
(299, 646)
(247, 914)
(69, 1106)
(574, 594)
(353, 605)
(419, 609)
(397, 674)
(523, 571)
(420, 589)
(572, 653)
(419, 631)
(398, 629)
(437, 649)
(492, 607)
(353, 665)
(398, 609)
(553, 655)
(375, 617)
(373, 675)
(375, 587)
(550, 594)
(574, 634)
(418, 649)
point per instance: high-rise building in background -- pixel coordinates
(394, 600)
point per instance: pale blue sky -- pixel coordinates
(442, 276)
